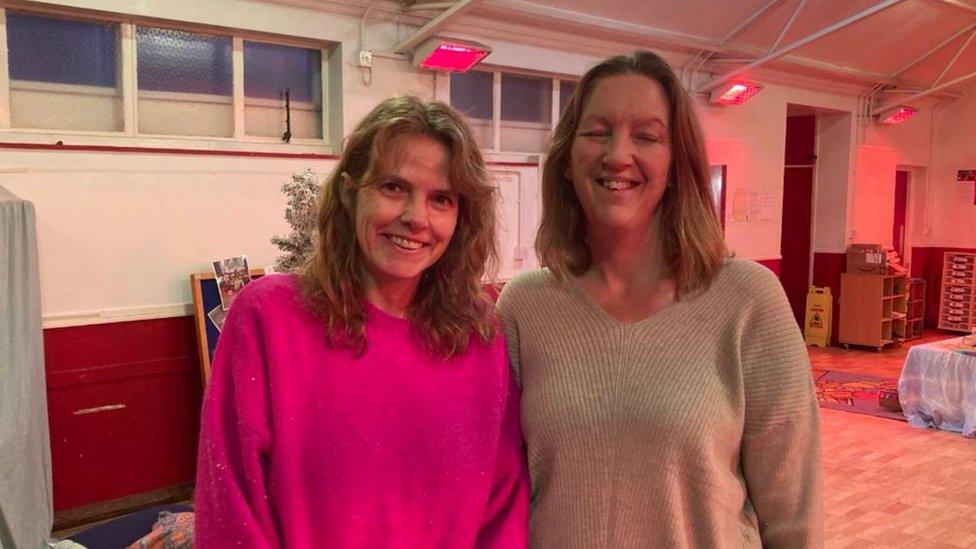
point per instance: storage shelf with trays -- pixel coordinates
(957, 304)
(873, 309)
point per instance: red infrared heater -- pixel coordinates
(899, 115)
(734, 93)
(448, 54)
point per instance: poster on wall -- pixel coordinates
(968, 176)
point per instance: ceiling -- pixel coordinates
(895, 48)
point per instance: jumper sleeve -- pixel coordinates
(781, 443)
(231, 501)
(506, 520)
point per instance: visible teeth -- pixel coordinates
(404, 243)
(617, 184)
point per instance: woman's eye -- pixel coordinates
(593, 133)
(650, 138)
(392, 187)
(444, 200)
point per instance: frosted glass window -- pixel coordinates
(185, 83)
(526, 99)
(471, 94)
(181, 61)
(566, 89)
(270, 69)
(62, 51)
(526, 116)
(63, 73)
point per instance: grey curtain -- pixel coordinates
(26, 510)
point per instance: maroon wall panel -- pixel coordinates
(124, 408)
(827, 268)
(927, 264)
(801, 138)
(795, 244)
(771, 264)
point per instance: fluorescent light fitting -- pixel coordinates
(734, 93)
(449, 54)
(899, 115)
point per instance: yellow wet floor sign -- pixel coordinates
(816, 328)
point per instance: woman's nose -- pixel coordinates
(618, 151)
(415, 214)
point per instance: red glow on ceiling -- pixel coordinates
(453, 57)
(735, 93)
(899, 115)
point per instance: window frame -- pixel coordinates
(555, 79)
(129, 134)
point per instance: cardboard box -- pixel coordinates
(866, 259)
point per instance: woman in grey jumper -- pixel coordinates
(667, 396)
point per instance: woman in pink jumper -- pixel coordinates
(367, 401)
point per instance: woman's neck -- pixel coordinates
(392, 297)
(627, 260)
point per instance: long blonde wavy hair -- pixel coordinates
(450, 304)
(694, 246)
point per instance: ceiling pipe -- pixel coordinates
(954, 58)
(958, 5)
(702, 57)
(717, 81)
(895, 104)
(434, 25)
(925, 55)
(789, 23)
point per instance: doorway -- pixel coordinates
(901, 214)
(795, 234)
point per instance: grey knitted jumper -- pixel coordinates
(694, 427)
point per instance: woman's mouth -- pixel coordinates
(405, 243)
(617, 184)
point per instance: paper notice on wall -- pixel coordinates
(751, 204)
(760, 205)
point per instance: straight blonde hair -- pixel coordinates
(692, 239)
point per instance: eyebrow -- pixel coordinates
(393, 178)
(645, 121)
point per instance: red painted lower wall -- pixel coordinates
(927, 264)
(124, 398)
(774, 265)
(123, 406)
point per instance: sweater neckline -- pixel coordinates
(379, 314)
(576, 286)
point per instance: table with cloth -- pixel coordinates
(937, 387)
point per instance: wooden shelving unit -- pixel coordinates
(915, 321)
(873, 309)
(957, 307)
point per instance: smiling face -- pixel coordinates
(405, 220)
(621, 155)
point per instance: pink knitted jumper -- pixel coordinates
(307, 445)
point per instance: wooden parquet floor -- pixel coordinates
(886, 483)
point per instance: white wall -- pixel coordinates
(873, 195)
(835, 164)
(950, 214)
(119, 233)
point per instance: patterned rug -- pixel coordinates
(858, 393)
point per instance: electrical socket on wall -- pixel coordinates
(365, 58)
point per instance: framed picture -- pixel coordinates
(208, 314)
